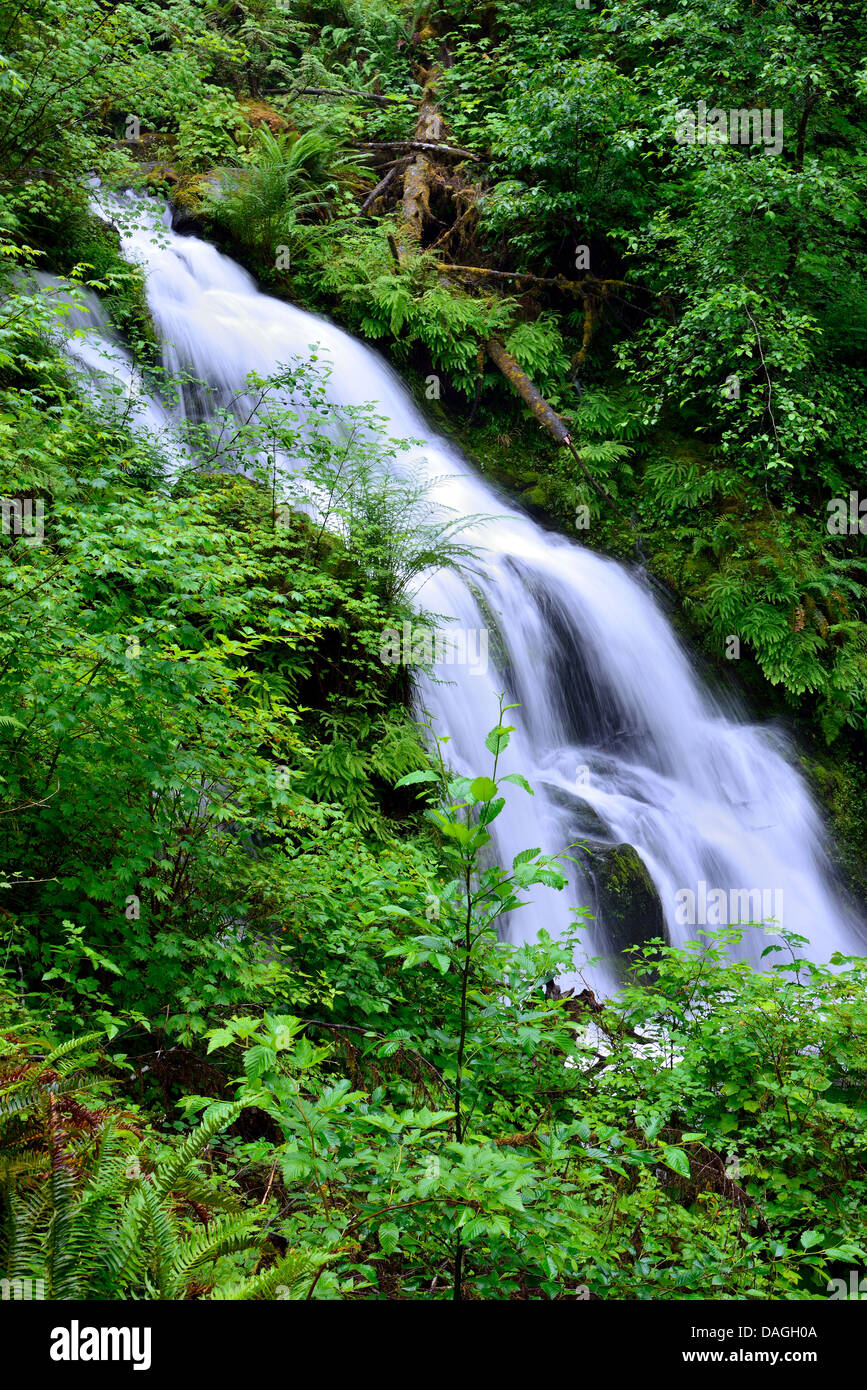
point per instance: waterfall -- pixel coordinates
(615, 732)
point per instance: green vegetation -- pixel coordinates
(258, 1035)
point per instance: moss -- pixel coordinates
(125, 300)
(840, 785)
(259, 113)
(70, 236)
(627, 900)
(188, 192)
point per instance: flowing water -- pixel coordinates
(615, 732)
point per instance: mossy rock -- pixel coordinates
(69, 233)
(260, 113)
(841, 788)
(627, 903)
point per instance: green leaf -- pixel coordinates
(483, 789)
(809, 1239)
(675, 1159)
(413, 778)
(475, 1228)
(498, 738)
(519, 781)
(389, 1236)
(525, 856)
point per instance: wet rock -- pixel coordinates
(588, 823)
(188, 199)
(627, 904)
(591, 826)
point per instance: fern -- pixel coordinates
(289, 179)
(293, 1272)
(221, 1116)
(87, 1216)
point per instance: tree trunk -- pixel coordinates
(420, 174)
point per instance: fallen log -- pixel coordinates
(419, 178)
(416, 199)
(547, 416)
(337, 92)
(432, 145)
(529, 393)
(382, 185)
(591, 291)
(585, 288)
(420, 174)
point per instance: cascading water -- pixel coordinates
(615, 734)
(93, 345)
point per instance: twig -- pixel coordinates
(270, 1183)
(767, 378)
(593, 482)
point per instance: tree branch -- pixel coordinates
(419, 145)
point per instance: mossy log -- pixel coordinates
(419, 180)
(421, 173)
(529, 393)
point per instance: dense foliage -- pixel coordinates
(259, 1037)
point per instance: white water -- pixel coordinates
(603, 684)
(92, 344)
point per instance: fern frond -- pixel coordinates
(222, 1115)
(222, 1237)
(293, 1272)
(67, 1048)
